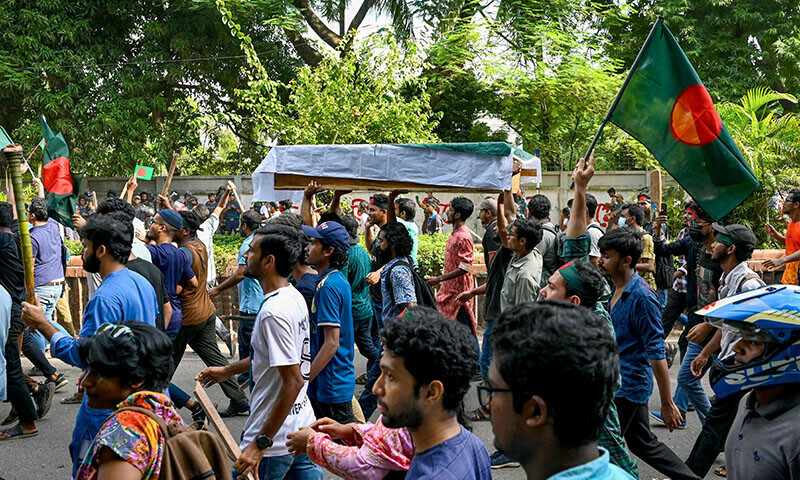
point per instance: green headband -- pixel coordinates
(724, 239)
(571, 276)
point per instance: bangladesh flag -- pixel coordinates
(143, 173)
(57, 179)
(665, 106)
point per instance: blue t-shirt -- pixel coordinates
(599, 469)
(332, 308)
(175, 268)
(307, 286)
(122, 296)
(640, 337)
(250, 293)
(413, 232)
(463, 457)
(403, 290)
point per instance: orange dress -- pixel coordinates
(457, 254)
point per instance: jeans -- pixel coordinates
(48, 296)
(367, 400)
(690, 385)
(178, 396)
(635, 422)
(244, 332)
(17, 390)
(364, 339)
(222, 331)
(486, 350)
(661, 295)
(203, 340)
(284, 466)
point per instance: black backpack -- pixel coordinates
(423, 291)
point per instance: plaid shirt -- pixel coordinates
(680, 283)
(611, 435)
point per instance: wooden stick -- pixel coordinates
(222, 430)
(13, 154)
(170, 173)
(286, 181)
(655, 192)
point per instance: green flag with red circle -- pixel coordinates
(58, 180)
(666, 107)
(142, 172)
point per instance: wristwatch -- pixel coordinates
(263, 442)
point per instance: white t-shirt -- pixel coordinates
(280, 337)
(595, 234)
(206, 235)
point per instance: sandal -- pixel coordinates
(71, 400)
(721, 471)
(17, 432)
(478, 415)
(11, 418)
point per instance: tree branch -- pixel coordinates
(307, 52)
(355, 23)
(243, 137)
(319, 27)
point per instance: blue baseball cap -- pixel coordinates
(332, 232)
(171, 217)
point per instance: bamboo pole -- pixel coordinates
(170, 173)
(13, 154)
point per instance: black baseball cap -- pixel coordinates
(736, 235)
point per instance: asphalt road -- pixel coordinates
(46, 457)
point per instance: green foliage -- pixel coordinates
(129, 82)
(769, 139)
(75, 247)
(733, 45)
(430, 255)
(358, 98)
(226, 248)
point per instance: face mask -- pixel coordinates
(696, 233)
(622, 222)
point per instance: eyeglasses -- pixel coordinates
(485, 393)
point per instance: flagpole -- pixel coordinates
(627, 80)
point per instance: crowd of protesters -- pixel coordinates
(578, 322)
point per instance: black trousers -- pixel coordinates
(676, 304)
(711, 440)
(36, 356)
(341, 412)
(17, 389)
(634, 419)
(203, 340)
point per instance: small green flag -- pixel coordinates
(143, 173)
(666, 107)
(43, 143)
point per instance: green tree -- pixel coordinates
(126, 81)
(769, 139)
(733, 45)
(360, 98)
